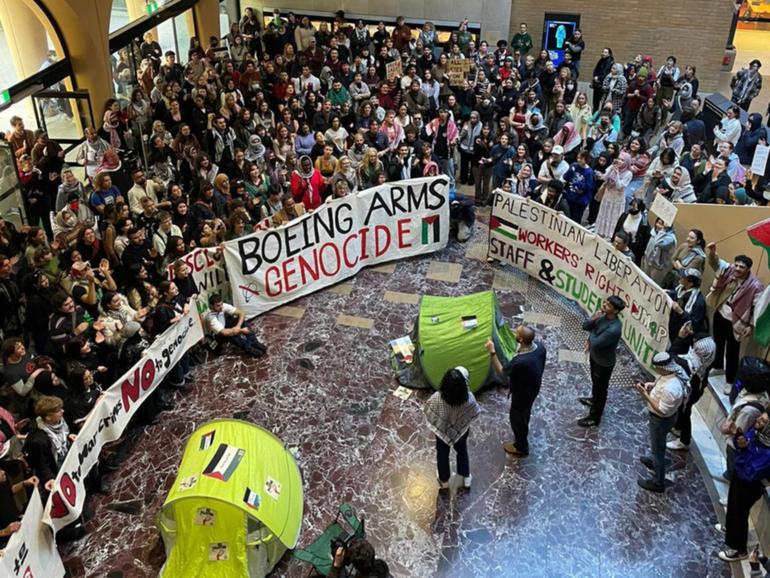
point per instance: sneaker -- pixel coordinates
(727, 389)
(513, 450)
(675, 432)
(587, 421)
(720, 528)
(443, 485)
(677, 445)
(723, 501)
(587, 401)
(463, 232)
(647, 461)
(651, 485)
(730, 555)
(467, 482)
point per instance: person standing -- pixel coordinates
(664, 397)
(746, 486)
(525, 375)
(746, 84)
(605, 331)
(450, 412)
(522, 40)
(732, 297)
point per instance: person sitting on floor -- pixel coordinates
(225, 323)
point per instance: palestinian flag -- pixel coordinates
(207, 440)
(502, 227)
(759, 234)
(252, 499)
(224, 462)
(762, 318)
(431, 229)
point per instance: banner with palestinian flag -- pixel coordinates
(581, 266)
(759, 234)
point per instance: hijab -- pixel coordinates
(255, 152)
(571, 141)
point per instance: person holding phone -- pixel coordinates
(664, 397)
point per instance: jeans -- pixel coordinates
(727, 347)
(448, 168)
(246, 342)
(740, 498)
(659, 428)
(442, 458)
(182, 368)
(600, 385)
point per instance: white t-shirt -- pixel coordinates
(668, 393)
(216, 321)
(554, 172)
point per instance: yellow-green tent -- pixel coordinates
(235, 507)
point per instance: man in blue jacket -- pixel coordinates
(605, 331)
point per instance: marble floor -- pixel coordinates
(570, 509)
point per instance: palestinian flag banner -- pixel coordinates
(207, 440)
(431, 229)
(762, 318)
(502, 227)
(759, 234)
(224, 462)
(252, 499)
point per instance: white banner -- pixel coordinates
(31, 552)
(111, 414)
(391, 221)
(207, 267)
(581, 266)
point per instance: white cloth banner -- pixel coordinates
(581, 266)
(391, 221)
(31, 552)
(111, 415)
(207, 267)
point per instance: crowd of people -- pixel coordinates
(271, 121)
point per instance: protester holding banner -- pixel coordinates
(605, 331)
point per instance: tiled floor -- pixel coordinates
(571, 509)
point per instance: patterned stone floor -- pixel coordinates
(571, 509)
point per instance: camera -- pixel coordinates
(341, 541)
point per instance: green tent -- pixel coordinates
(235, 506)
(452, 331)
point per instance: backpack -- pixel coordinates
(753, 463)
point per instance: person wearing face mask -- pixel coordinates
(732, 297)
(524, 376)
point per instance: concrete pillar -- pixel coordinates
(26, 37)
(206, 20)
